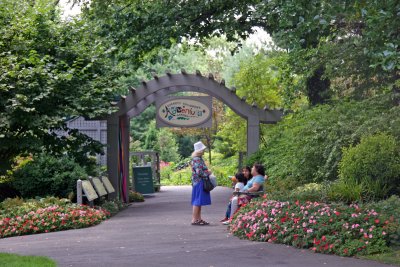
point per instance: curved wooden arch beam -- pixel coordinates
(195, 83)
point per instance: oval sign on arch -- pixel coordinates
(185, 112)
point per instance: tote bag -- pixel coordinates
(207, 185)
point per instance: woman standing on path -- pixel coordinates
(199, 172)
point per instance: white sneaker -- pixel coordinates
(226, 222)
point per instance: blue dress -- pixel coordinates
(199, 171)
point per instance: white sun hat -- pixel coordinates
(199, 146)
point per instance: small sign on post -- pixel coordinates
(107, 184)
(98, 185)
(89, 191)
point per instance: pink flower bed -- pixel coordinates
(338, 229)
(52, 218)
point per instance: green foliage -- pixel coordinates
(151, 136)
(223, 167)
(11, 203)
(185, 145)
(140, 124)
(51, 70)
(258, 81)
(135, 197)
(138, 29)
(374, 162)
(113, 206)
(14, 260)
(392, 257)
(347, 191)
(181, 177)
(166, 144)
(46, 175)
(306, 146)
(309, 192)
(357, 36)
(17, 206)
(390, 208)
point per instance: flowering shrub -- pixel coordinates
(30, 219)
(336, 228)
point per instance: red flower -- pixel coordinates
(337, 213)
(316, 241)
(376, 221)
(249, 235)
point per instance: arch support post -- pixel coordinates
(253, 135)
(112, 153)
(118, 155)
(123, 157)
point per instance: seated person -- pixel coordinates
(255, 184)
(247, 174)
(240, 183)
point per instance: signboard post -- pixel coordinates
(143, 179)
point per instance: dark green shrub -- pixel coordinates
(47, 175)
(374, 164)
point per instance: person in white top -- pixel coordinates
(241, 182)
(239, 186)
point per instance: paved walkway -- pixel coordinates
(158, 233)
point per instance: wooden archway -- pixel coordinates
(139, 99)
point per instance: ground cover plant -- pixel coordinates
(340, 229)
(135, 196)
(14, 260)
(18, 217)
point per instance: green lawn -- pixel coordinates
(13, 260)
(390, 258)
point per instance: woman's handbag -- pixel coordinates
(213, 180)
(207, 185)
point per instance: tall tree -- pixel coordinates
(50, 70)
